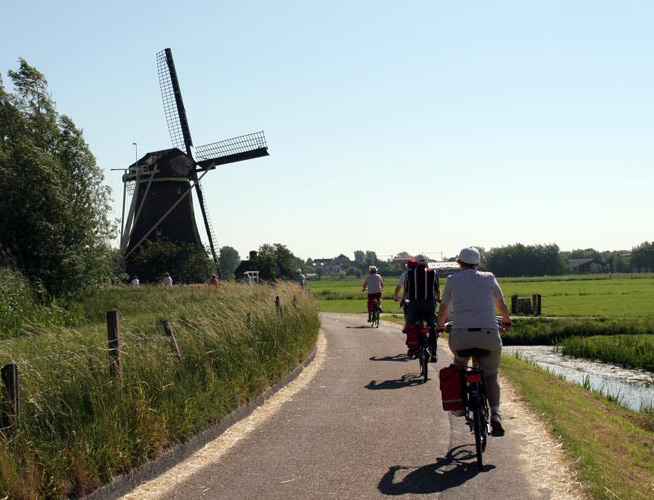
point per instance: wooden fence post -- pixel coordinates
(10, 380)
(539, 306)
(168, 328)
(113, 337)
(278, 304)
(514, 304)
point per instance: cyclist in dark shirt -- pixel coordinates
(421, 289)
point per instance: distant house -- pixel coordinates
(329, 265)
(585, 266)
(246, 266)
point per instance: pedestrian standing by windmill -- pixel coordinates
(167, 281)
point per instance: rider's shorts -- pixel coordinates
(372, 298)
(480, 338)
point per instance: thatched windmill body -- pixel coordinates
(161, 182)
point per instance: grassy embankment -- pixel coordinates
(79, 427)
(612, 447)
(628, 350)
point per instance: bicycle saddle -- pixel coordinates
(475, 351)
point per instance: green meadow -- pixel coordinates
(612, 296)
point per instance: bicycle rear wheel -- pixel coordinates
(424, 364)
(480, 441)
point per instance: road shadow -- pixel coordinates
(457, 467)
(395, 357)
(360, 327)
(406, 381)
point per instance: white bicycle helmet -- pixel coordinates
(470, 256)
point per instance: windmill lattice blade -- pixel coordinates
(233, 146)
(171, 95)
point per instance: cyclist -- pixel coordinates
(474, 295)
(421, 290)
(410, 264)
(374, 283)
(300, 278)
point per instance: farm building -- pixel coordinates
(246, 265)
(586, 266)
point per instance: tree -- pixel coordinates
(276, 261)
(54, 205)
(642, 256)
(359, 258)
(404, 255)
(521, 260)
(229, 260)
(371, 258)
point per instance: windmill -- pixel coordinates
(161, 182)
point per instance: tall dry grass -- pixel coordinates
(80, 427)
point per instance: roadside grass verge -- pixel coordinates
(628, 350)
(612, 447)
(80, 427)
(538, 331)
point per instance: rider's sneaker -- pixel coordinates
(433, 359)
(411, 353)
(457, 413)
(496, 425)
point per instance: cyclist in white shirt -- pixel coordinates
(374, 283)
(474, 295)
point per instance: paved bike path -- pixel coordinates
(363, 427)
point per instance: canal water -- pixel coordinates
(632, 388)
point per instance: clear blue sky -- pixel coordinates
(420, 126)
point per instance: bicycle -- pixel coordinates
(423, 352)
(374, 316)
(476, 410)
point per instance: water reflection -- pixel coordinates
(632, 388)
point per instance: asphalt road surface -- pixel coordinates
(365, 427)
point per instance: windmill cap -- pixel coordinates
(469, 255)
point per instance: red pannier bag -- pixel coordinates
(451, 388)
(412, 336)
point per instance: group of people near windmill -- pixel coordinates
(166, 282)
(471, 295)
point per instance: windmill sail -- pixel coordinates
(243, 147)
(180, 134)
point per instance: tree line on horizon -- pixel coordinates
(506, 261)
